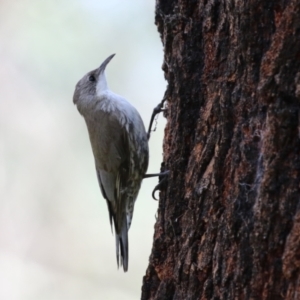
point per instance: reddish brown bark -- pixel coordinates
(228, 222)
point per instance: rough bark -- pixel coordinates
(228, 222)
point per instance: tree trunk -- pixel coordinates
(228, 222)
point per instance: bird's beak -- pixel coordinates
(104, 64)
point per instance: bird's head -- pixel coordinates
(91, 85)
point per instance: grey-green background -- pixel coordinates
(55, 237)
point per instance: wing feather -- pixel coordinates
(112, 158)
(119, 168)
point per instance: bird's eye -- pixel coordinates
(92, 78)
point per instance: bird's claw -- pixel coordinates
(156, 110)
(163, 179)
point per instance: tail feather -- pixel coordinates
(122, 244)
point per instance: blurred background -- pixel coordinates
(55, 236)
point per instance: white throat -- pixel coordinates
(101, 84)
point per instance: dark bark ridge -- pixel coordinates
(228, 223)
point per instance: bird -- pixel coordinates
(119, 144)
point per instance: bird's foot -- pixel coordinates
(162, 180)
(156, 111)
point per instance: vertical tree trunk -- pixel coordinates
(228, 222)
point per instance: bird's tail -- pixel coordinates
(122, 244)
